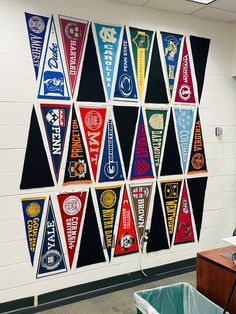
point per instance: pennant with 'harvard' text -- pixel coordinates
(55, 118)
(51, 257)
(71, 207)
(73, 32)
(36, 25)
(77, 168)
(53, 83)
(32, 210)
(108, 200)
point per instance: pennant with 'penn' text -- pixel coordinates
(108, 37)
(51, 257)
(55, 118)
(77, 168)
(171, 193)
(36, 25)
(126, 242)
(108, 199)
(141, 166)
(71, 207)
(141, 44)
(184, 229)
(93, 122)
(73, 32)
(53, 84)
(125, 87)
(32, 210)
(197, 161)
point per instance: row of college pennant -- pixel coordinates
(108, 62)
(170, 221)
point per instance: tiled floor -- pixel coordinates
(118, 302)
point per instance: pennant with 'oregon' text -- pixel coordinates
(71, 207)
(125, 87)
(53, 83)
(171, 45)
(140, 196)
(126, 242)
(55, 118)
(156, 120)
(141, 166)
(108, 37)
(73, 32)
(184, 124)
(141, 44)
(93, 122)
(77, 168)
(185, 91)
(184, 229)
(51, 257)
(171, 193)
(108, 200)
(32, 210)
(36, 25)
(197, 162)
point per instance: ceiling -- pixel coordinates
(220, 10)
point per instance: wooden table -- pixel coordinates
(215, 276)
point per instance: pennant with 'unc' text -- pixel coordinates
(53, 83)
(32, 210)
(36, 25)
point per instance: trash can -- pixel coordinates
(180, 298)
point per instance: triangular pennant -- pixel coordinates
(184, 124)
(171, 159)
(126, 130)
(126, 242)
(141, 166)
(156, 120)
(185, 91)
(53, 84)
(197, 190)
(184, 229)
(200, 48)
(108, 199)
(71, 207)
(156, 87)
(73, 32)
(171, 192)
(77, 168)
(140, 196)
(108, 37)
(197, 161)
(90, 251)
(36, 171)
(55, 118)
(93, 122)
(171, 45)
(141, 44)
(51, 257)
(36, 25)
(32, 210)
(91, 87)
(111, 168)
(125, 87)
(157, 239)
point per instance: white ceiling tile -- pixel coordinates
(216, 14)
(134, 2)
(179, 6)
(225, 5)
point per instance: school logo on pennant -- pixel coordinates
(73, 32)
(32, 210)
(55, 119)
(53, 84)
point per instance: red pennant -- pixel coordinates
(71, 207)
(93, 122)
(73, 33)
(185, 92)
